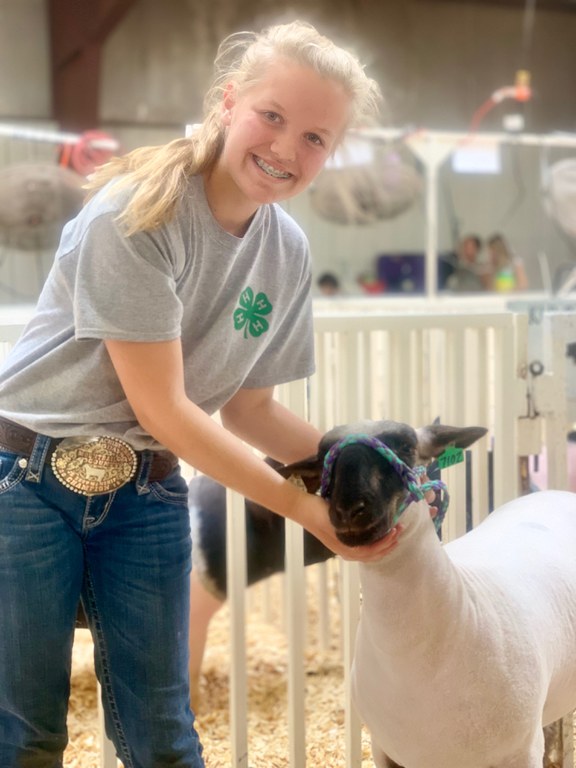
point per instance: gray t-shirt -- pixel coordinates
(241, 307)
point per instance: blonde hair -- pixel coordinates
(159, 175)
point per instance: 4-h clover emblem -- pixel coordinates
(249, 315)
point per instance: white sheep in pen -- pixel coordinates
(465, 650)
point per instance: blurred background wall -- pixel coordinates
(137, 70)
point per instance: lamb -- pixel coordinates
(464, 651)
(265, 556)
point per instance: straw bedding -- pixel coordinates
(267, 661)
(267, 655)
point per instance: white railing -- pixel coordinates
(464, 368)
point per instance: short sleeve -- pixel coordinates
(122, 287)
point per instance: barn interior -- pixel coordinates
(476, 136)
(80, 78)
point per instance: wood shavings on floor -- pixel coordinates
(267, 654)
(267, 663)
(83, 749)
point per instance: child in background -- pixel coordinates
(507, 269)
(328, 284)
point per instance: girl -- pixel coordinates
(507, 269)
(181, 289)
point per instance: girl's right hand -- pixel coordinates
(313, 515)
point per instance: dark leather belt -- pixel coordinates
(18, 439)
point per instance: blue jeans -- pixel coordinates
(126, 554)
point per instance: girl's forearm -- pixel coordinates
(275, 431)
(201, 442)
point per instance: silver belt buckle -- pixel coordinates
(93, 465)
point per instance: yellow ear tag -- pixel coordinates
(450, 457)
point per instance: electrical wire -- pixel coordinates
(520, 91)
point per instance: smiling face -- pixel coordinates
(279, 133)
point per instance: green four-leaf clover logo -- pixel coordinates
(250, 314)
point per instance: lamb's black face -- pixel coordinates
(364, 488)
(364, 495)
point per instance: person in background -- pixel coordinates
(469, 273)
(328, 284)
(507, 271)
(180, 290)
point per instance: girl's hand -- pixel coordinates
(313, 515)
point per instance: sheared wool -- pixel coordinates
(465, 650)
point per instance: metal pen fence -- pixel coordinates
(460, 368)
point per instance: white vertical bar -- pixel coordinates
(377, 356)
(437, 367)
(322, 575)
(321, 383)
(350, 618)
(451, 376)
(366, 372)
(556, 420)
(506, 476)
(236, 581)
(294, 397)
(325, 387)
(296, 603)
(455, 395)
(346, 406)
(419, 378)
(400, 373)
(477, 414)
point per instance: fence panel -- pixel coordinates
(415, 367)
(461, 369)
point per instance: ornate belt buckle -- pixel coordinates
(93, 465)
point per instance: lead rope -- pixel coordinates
(415, 490)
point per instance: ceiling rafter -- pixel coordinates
(78, 31)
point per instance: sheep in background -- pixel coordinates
(265, 543)
(265, 537)
(466, 650)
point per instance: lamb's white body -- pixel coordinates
(464, 651)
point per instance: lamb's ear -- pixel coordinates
(307, 472)
(435, 438)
